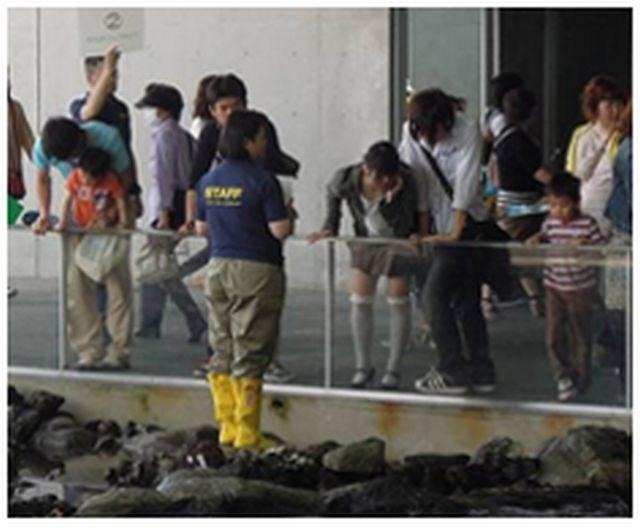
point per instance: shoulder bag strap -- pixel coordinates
(504, 133)
(444, 183)
(442, 180)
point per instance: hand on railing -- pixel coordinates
(202, 229)
(318, 235)
(186, 229)
(533, 240)
(162, 223)
(41, 225)
(443, 238)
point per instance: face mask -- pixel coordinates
(150, 116)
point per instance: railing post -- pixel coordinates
(62, 301)
(329, 311)
(628, 368)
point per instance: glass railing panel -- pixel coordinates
(518, 332)
(301, 345)
(318, 344)
(33, 306)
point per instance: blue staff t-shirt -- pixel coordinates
(238, 199)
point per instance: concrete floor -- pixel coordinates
(517, 342)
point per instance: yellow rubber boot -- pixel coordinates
(248, 394)
(224, 407)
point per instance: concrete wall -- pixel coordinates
(321, 74)
(420, 426)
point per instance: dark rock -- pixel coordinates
(129, 502)
(361, 458)
(583, 456)
(33, 463)
(497, 463)
(139, 473)
(281, 465)
(156, 454)
(212, 494)
(26, 415)
(133, 429)
(45, 403)
(14, 397)
(495, 451)
(429, 470)
(542, 502)
(146, 445)
(317, 451)
(204, 454)
(23, 422)
(388, 496)
(104, 428)
(62, 437)
(108, 445)
(46, 506)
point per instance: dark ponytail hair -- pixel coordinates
(242, 126)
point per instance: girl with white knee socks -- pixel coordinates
(382, 199)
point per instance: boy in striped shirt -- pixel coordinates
(570, 287)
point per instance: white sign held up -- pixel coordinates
(102, 28)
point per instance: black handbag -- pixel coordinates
(493, 265)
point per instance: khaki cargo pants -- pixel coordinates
(245, 300)
(84, 325)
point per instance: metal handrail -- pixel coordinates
(330, 283)
(541, 254)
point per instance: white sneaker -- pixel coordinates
(116, 360)
(566, 389)
(87, 363)
(276, 373)
(436, 382)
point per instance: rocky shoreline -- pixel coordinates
(586, 472)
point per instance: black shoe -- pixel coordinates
(390, 380)
(361, 377)
(483, 379)
(195, 337)
(150, 332)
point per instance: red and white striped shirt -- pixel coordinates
(569, 276)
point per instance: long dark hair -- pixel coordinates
(200, 105)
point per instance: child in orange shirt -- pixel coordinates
(97, 199)
(97, 196)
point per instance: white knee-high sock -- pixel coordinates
(399, 330)
(362, 329)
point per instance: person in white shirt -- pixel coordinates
(437, 129)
